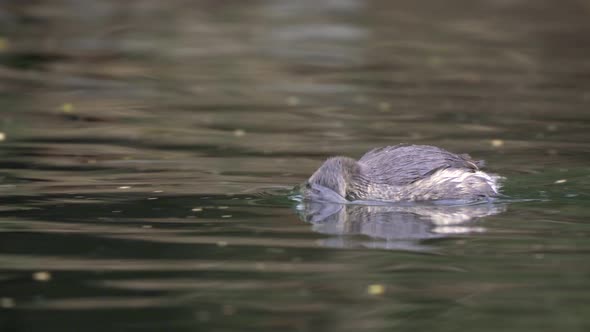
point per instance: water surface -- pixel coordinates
(149, 149)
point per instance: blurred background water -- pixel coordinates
(148, 149)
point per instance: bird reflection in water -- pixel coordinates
(401, 226)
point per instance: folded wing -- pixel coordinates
(404, 164)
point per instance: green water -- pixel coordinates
(149, 148)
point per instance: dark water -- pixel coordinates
(149, 148)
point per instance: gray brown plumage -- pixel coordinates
(401, 173)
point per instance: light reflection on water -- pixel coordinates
(150, 149)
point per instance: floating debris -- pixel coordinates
(360, 99)
(197, 209)
(2, 137)
(203, 316)
(497, 143)
(560, 181)
(384, 106)
(292, 101)
(435, 61)
(7, 302)
(376, 289)
(226, 216)
(275, 250)
(3, 43)
(228, 310)
(124, 187)
(42, 276)
(239, 132)
(67, 108)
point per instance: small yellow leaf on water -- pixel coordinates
(497, 143)
(3, 43)
(2, 136)
(376, 289)
(67, 108)
(560, 181)
(42, 276)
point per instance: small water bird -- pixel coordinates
(402, 173)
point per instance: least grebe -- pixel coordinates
(402, 173)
